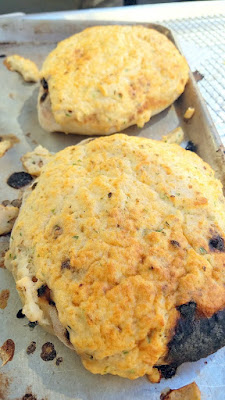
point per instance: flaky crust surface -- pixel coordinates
(107, 78)
(122, 230)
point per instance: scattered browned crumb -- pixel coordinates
(5, 145)
(2, 257)
(31, 348)
(11, 95)
(189, 113)
(188, 392)
(6, 142)
(175, 136)
(4, 385)
(4, 296)
(48, 352)
(27, 68)
(59, 360)
(7, 351)
(198, 76)
(8, 215)
(35, 160)
(4, 246)
(29, 396)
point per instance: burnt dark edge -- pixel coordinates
(43, 97)
(195, 338)
(191, 146)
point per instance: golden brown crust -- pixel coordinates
(123, 230)
(188, 392)
(101, 86)
(27, 68)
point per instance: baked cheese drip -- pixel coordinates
(122, 230)
(107, 78)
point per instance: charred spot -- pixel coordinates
(31, 348)
(81, 284)
(34, 279)
(44, 84)
(45, 293)
(41, 290)
(187, 310)
(19, 179)
(175, 243)
(59, 360)
(191, 146)
(143, 258)
(20, 314)
(217, 243)
(167, 371)
(198, 76)
(48, 352)
(109, 195)
(43, 97)
(65, 265)
(29, 396)
(16, 203)
(91, 357)
(6, 203)
(57, 231)
(32, 324)
(196, 337)
(67, 335)
(34, 186)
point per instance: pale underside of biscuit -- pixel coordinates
(119, 250)
(108, 78)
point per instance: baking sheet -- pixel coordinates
(29, 373)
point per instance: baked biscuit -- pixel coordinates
(107, 78)
(119, 249)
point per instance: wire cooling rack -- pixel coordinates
(203, 43)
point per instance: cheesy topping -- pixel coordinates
(107, 78)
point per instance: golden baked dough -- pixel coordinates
(27, 68)
(107, 78)
(188, 392)
(33, 161)
(118, 233)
